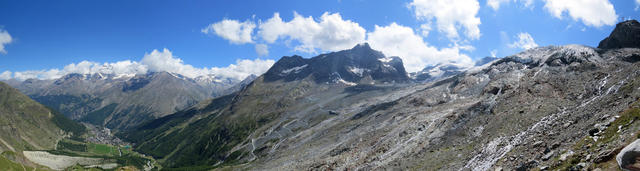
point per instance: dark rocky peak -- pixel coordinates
(69, 78)
(164, 75)
(347, 66)
(288, 68)
(135, 83)
(30, 81)
(625, 35)
(73, 76)
(141, 80)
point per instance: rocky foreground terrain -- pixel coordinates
(569, 107)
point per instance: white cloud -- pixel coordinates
(637, 5)
(243, 68)
(591, 12)
(425, 29)
(494, 53)
(525, 41)
(262, 49)
(5, 38)
(330, 33)
(402, 41)
(156, 61)
(5, 75)
(495, 4)
(450, 16)
(233, 30)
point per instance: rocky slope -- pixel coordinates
(123, 101)
(295, 91)
(567, 107)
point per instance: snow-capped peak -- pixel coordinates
(542, 54)
(358, 71)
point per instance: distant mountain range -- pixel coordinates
(123, 101)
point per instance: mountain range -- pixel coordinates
(570, 107)
(123, 101)
(556, 107)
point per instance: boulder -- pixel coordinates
(629, 157)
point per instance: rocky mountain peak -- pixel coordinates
(625, 35)
(348, 66)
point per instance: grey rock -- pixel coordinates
(629, 155)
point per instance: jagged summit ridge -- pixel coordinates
(348, 66)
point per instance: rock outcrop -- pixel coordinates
(625, 35)
(629, 157)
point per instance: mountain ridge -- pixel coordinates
(350, 66)
(520, 112)
(121, 102)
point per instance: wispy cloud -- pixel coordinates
(262, 49)
(5, 38)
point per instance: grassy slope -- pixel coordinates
(26, 124)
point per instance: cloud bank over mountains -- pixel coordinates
(457, 20)
(156, 61)
(330, 32)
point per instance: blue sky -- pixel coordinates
(46, 35)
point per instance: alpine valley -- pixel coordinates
(570, 107)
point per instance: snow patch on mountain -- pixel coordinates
(358, 71)
(542, 54)
(385, 59)
(340, 80)
(294, 70)
(438, 71)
